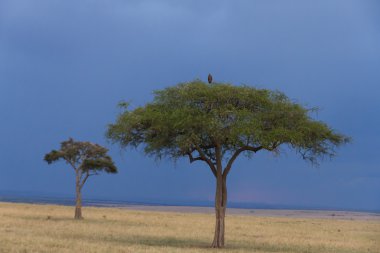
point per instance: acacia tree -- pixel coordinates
(215, 123)
(87, 159)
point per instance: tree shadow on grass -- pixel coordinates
(191, 243)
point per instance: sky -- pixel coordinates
(65, 65)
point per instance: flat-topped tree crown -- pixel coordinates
(84, 155)
(197, 116)
(87, 159)
(216, 122)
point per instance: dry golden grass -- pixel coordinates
(50, 228)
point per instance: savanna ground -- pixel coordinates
(51, 228)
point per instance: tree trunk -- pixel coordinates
(220, 211)
(78, 201)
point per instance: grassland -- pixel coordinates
(48, 228)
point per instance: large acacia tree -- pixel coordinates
(86, 159)
(215, 123)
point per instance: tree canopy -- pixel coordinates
(195, 116)
(86, 156)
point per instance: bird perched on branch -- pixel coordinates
(209, 78)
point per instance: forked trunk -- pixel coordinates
(220, 212)
(78, 201)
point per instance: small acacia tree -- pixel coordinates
(87, 159)
(215, 123)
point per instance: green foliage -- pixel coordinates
(83, 156)
(192, 119)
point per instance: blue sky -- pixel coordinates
(64, 66)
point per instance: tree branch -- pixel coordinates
(71, 163)
(236, 154)
(194, 159)
(84, 180)
(88, 174)
(207, 160)
(274, 146)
